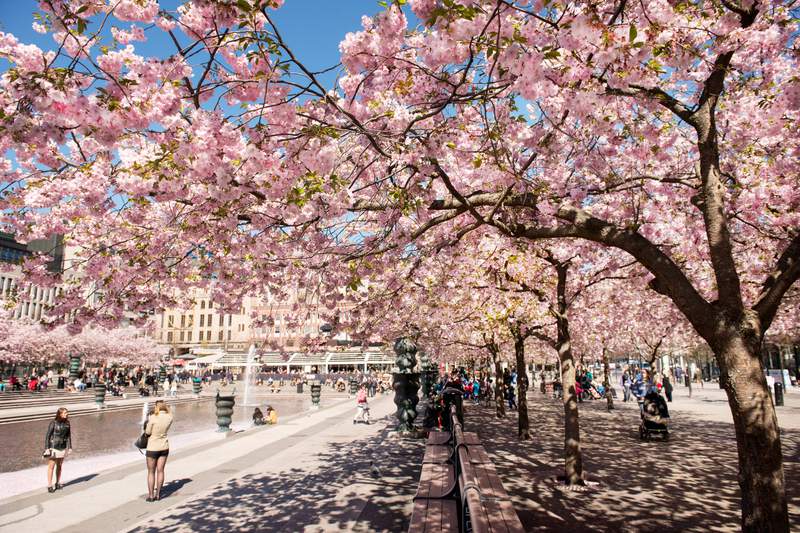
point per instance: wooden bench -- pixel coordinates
(459, 489)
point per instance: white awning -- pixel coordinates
(207, 359)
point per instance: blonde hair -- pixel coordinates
(160, 406)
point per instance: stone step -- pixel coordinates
(93, 410)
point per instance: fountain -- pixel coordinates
(145, 412)
(248, 375)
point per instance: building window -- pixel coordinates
(169, 336)
(170, 321)
(189, 336)
(210, 304)
(181, 336)
(229, 334)
(183, 321)
(202, 321)
(209, 320)
(190, 321)
(221, 318)
(220, 336)
(203, 304)
(230, 319)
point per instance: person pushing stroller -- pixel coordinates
(655, 416)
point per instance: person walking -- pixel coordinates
(639, 387)
(626, 385)
(57, 444)
(512, 402)
(362, 407)
(667, 384)
(158, 424)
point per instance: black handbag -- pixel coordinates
(141, 442)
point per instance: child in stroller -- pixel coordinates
(655, 416)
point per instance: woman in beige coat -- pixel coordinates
(156, 428)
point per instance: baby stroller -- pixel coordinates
(655, 416)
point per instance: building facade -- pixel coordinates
(203, 327)
(24, 300)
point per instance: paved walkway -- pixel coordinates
(686, 484)
(311, 472)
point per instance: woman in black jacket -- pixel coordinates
(57, 443)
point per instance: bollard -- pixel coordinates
(224, 405)
(196, 386)
(100, 395)
(353, 387)
(299, 387)
(778, 394)
(316, 390)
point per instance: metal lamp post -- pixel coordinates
(405, 383)
(100, 394)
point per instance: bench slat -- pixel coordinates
(435, 480)
(470, 438)
(431, 515)
(438, 437)
(435, 453)
(489, 482)
(478, 455)
(506, 517)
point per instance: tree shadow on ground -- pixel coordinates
(334, 490)
(688, 483)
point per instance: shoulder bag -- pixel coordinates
(141, 442)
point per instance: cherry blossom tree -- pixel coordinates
(661, 129)
(28, 342)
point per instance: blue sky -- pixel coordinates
(313, 28)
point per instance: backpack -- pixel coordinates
(362, 396)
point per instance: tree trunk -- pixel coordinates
(498, 388)
(524, 430)
(607, 380)
(573, 460)
(764, 506)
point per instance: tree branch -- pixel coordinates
(786, 273)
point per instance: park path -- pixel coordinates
(310, 472)
(686, 484)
